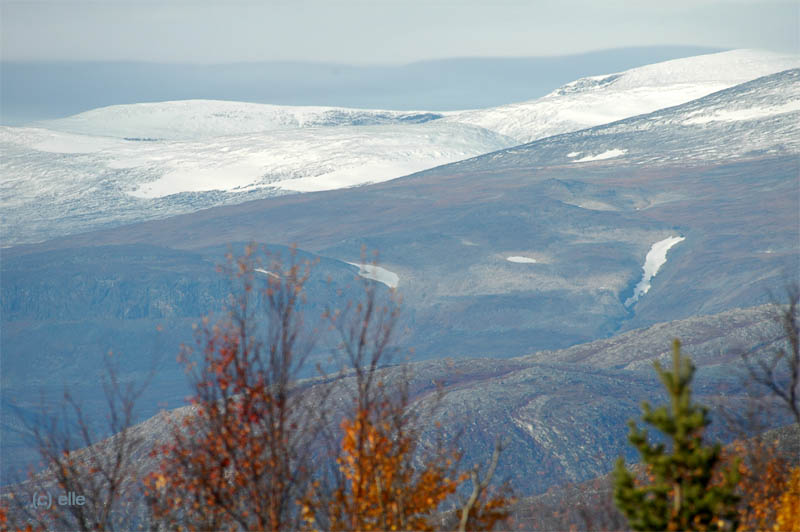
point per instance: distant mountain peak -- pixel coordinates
(596, 100)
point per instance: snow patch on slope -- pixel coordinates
(653, 262)
(371, 172)
(268, 273)
(608, 154)
(376, 273)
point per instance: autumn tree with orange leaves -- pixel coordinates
(767, 471)
(385, 480)
(259, 449)
(765, 480)
(788, 514)
(241, 457)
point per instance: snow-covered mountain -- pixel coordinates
(583, 103)
(757, 118)
(127, 163)
(599, 100)
(196, 119)
(57, 183)
(297, 159)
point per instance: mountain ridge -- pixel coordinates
(533, 402)
(105, 182)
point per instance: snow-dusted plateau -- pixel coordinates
(126, 163)
(527, 240)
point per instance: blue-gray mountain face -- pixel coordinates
(686, 211)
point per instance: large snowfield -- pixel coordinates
(127, 163)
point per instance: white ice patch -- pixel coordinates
(609, 154)
(524, 260)
(376, 273)
(655, 258)
(267, 272)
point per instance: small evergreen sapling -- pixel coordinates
(683, 492)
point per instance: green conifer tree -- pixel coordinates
(681, 493)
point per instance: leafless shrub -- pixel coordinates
(86, 484)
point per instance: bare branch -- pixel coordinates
(479, 488)
(780, 374)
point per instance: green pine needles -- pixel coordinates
(682, 492)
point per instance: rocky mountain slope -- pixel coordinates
(562, 414)
(590, 505)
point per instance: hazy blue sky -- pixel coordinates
(379, 31)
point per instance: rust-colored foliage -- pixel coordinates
(761, 483)
(251, 452)
(768, 481)
(239, 460)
